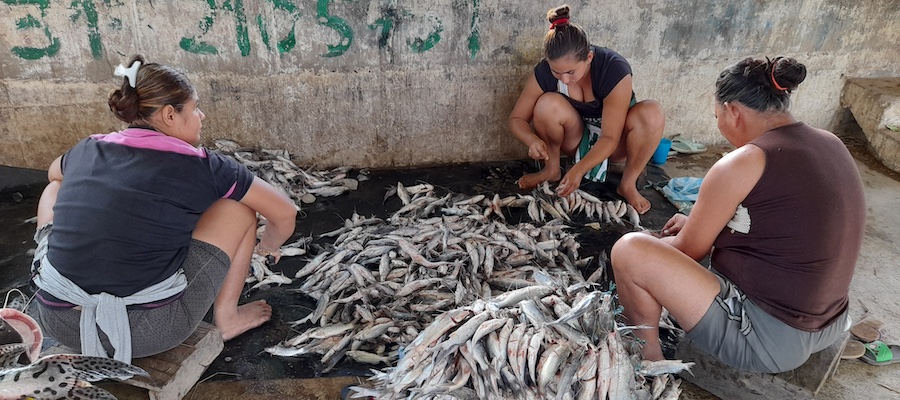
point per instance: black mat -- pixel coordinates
(243, 357)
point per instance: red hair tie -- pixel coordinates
(558, 22)
(774, 82)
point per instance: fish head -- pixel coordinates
(8, 334)
(17, 327)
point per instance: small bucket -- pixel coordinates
(662, 152)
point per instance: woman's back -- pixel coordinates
(125, 218)
(807, 216)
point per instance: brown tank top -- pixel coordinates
(807, 218)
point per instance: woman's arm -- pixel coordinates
(277, 208)
(724, 187)
(520, 120)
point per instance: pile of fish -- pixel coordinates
(383, 283)
(276, 167)
(461, 301)
(539, 342)
(545, 202)
(542, 204)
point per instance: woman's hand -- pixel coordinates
(278, 210)
(274, 254)
(538, 150)
(570, 182)
(674, 225)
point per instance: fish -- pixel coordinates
(60, 376)
(18, 327)
(660, 367)
(8, 334)
(460, 296)
(276, 168)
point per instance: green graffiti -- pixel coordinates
(263, 32)
(34, 53)
(192, 45)
(240, 25)
(336, 23)
(90, 14)
(419, 45)
(43, 4)
(242, 32)
(474, 43)
(30, 21)
(287, 44)
(290, 41)
(383, 25)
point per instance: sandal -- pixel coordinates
(867, 330)
(685, 146)
(879, 353)
(853, 349)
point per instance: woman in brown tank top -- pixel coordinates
(790, 267)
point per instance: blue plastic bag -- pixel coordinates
(682, 192)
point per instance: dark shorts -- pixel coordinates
(154, 330)
(742, 335)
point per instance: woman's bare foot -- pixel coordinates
(532, 180)
(242, 319)
(633, 197)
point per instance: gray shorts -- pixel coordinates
(154, 330)
(740, 334)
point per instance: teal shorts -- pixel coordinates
(589, 136)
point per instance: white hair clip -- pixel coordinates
(130, 72)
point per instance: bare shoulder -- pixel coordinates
(741, 159)
(739, 170)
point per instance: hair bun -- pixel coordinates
(124, 104)
(787, 73)
(558, 13)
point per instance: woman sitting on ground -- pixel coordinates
(140, 231)
(573, 88)
(783, 216)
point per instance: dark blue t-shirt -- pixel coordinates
(608, 68)
(124, 215)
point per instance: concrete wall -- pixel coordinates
(402, 83)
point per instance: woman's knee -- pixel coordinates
(231, 210)
(625, 249)
(647, 115)
(628, 248)
(225, 224)
(553, 107)
(46, 203)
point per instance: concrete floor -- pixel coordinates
(873, 292)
